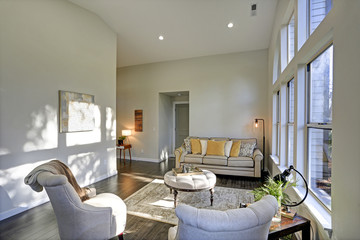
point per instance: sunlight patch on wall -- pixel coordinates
(43, 132)
(84, 166)
(13, 187)
(81, 138)
(110, 124)
(111, 152)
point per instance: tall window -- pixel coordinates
(290, 122)
(318, 9)
(320, 76)
(291, 37)
(277, 122)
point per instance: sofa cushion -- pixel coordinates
(187, 145)
(215, 160)
(227, 149)
(203, 146)
(235, 148)
(193, 158)
(247, 149)
(195, 146)
(240, 162)
(215, 148)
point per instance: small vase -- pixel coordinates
(120, 142)
(277, 217)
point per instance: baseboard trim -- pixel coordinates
(17, 210)
(145, 159)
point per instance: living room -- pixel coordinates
(47, 46)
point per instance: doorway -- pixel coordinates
(181, 125)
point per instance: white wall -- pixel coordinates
(226, 94)
(47, 46)
(342, 27)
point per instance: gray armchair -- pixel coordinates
(100, 217)
(248, 223)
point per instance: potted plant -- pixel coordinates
(121, 140)
(276, 189)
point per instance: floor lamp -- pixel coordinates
(256, 125)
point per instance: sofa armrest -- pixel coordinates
(179, 155)
(258, 157)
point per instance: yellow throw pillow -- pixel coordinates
(235, 149)
(215, 148)
(195, 146)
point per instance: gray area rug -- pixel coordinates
(155, 202)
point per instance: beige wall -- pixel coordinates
(226, 94)
(342, 27)
(47, 46)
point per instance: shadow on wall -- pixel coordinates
(89, 159)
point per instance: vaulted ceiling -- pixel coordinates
(191, 28)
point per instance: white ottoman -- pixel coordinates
(191, 183)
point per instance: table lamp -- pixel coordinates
(284, 177)
(126, 133)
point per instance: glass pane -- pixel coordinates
(291, 38)
(318, 10)
(278, 139)
(321, 87)
(291, 102)
(290, 145)
(320, 162)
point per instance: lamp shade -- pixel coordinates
(126, 132)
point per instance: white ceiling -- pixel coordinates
(191, 28)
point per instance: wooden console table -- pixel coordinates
(288, 226)
(122, 148)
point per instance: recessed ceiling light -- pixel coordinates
(230, 25)
(161, 37)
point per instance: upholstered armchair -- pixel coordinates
(100, 217)
(248, 223)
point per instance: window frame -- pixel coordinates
(290, 123)
(292, 16)
(278, 124)
(313, 125)
(328, 7)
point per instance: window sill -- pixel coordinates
(316, 209)
(275, 159)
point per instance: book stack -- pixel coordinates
(290, 213)
(187, 170)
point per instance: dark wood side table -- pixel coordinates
(122, 148)
(288, 226)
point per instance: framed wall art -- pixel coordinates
(138, 120)
(76, 112)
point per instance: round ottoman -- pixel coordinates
(191, 183)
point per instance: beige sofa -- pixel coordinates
(249, 165)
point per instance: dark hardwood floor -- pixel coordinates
(40, 222)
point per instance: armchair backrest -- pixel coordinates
(252, 222)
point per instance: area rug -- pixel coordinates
(154, 201)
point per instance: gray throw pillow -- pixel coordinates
(187, 145)
(247, 149)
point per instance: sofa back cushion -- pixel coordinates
(203, 146)
(235, 148)
(215, 148)
(195, 146)
(247, 146)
